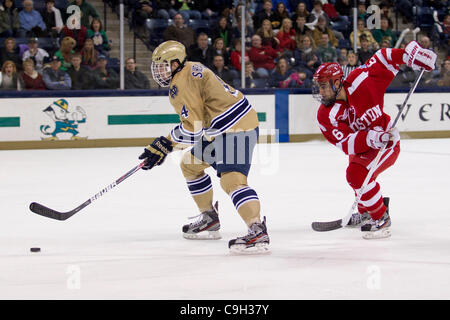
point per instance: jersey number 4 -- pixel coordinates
(184, 112)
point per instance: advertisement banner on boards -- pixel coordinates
(55, 119)
(423, 112)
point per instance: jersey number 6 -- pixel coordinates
(338, 135)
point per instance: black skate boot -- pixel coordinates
(256, 241)
(357, 219)
(378, 229)
(206, 227)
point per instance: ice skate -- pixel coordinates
(206, 227)
(256, 241)
(378, 229)
(357, 219)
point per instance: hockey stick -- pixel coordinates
(337, 224)
(53, 214)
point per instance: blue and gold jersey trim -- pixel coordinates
(180, 135)
(229, 118)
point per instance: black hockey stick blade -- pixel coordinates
(53, 214)
(327, 226)
(50, 213)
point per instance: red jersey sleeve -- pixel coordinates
(333, 122)
(346, 124)
(383, 66)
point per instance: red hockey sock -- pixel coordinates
(372, 201)
(361, 208)
(378, 213)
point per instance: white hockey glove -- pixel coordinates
(419, 58)
(377, 137)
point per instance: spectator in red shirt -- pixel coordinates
(263, 57)
(31, 78)
(236, 55)
(445, 36)
(286, 36)
(80, 36)
(446, 24)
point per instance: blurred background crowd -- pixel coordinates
(43, 47)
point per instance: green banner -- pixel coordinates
(9, 121)
(143, 119)
(127, 119)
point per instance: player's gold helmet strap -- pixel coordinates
(180, 66)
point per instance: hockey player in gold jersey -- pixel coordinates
(222, 128)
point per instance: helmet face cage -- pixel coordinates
(162, 73)
(319, 97)
(316, 91)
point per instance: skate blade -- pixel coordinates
(383, 233)
(205, 235)
(242, 249)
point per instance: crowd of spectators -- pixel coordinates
(76, 54)
(286, 40)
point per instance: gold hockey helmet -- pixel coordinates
(162, 58)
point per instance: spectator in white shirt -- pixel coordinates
(36, 54)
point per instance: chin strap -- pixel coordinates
(336, 92)
(180, 66)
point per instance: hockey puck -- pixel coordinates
(35, 249)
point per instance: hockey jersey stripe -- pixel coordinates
(351, 144)
(189, 133)
(226, 120)
(388, 66)
(358, 80)
(341, 143)
(389, 54)
(228, 112)
(333, 113)
(180, 137)
(347, 144)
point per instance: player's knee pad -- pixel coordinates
(191, 167)
(231, 181)
(356, 174)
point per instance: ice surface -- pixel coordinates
(128, 244)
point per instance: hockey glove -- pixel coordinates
(155, 153)
(377, 138)
(419, 58)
